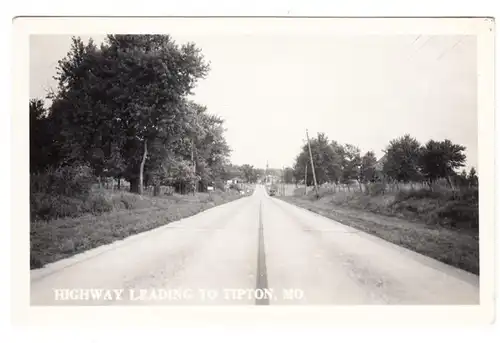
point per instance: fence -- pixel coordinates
(390, 187)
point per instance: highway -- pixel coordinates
(258, 250)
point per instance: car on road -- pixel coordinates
(272, 192)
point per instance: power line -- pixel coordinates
(449, 49)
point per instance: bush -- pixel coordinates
(48, 206)
(99, 203)
(298, 192)
(64, 180)
(448, 208)
(419, 194)
(220, 185)
(376, 188)
(45, 206)
(235, 187)
(167, 190)
(130, 201)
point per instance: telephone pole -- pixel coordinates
(312, 165)
(283, 181)
(305, 180)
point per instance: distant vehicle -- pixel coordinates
(272, 192)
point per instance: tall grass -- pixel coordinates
(451, 208)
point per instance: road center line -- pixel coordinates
(261, 262)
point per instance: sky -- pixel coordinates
(363, 90)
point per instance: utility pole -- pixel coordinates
(312, 165)
(305, 180)
(283, 182)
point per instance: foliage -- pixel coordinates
(118, 99)
(249, 173)
(441, 159)
(326, 159)
(72, 180)
(403, 155)
(367, 167)
(122, 109)
(288, 175)
(351, 163)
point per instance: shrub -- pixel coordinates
(131, 201)
(167, 190)
(454, 209)
(47, 206)
(376, 188)
(298, 192)
(235, 187)
(98, 203)
(220, 185)
(64, 180)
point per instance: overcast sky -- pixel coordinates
(362, 90)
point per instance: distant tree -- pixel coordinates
(336, 162)
(472, 177)
(461, 179)
(367, 168)
(402, 159)
(326, 158)
(249, 173)
(351, 163)
(440, 159)
(288, 175)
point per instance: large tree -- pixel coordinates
(326, 159)
(124, 97)
(440, 159)
(402, 159)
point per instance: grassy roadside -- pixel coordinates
(55, 239)
(459, 248)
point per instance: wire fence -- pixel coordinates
(375, 187)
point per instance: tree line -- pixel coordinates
(405, 160)
(123, 109)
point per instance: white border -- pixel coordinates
(373, 315)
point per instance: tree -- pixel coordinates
(249, 173)
(131, 92)
(326, 161)
(402, 159)
(367, 167)
(351, 162)
(38, 132)
(44, 131)
(472, 178)
(288, 175)
(336, 162)
(440, 159)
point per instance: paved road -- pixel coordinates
(255, 251)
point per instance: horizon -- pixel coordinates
(270, 89)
